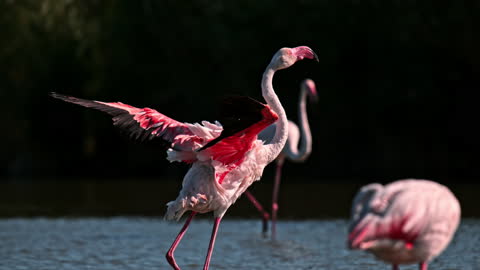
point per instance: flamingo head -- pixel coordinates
(286, 57)
(309, 86)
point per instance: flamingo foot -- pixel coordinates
(171, 260)
(423, 266)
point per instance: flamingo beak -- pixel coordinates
(355, 238)
(302, 52)
(359, 235)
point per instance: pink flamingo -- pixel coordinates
(226, 159)
(290, 151)
(404, 222)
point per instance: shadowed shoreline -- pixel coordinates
(298, 199)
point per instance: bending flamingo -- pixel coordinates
(291, 151)
(226, 159)
(404, 222)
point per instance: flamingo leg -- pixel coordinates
(423, 266)
(169, 255)
(395, 267)
(258, 205)
(212, 243)
(276, 188)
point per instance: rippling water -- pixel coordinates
(140, 243)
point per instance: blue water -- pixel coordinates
(140, 243)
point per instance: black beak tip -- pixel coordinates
(315, 56)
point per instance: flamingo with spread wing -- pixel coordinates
(225, 160)
(407, 221)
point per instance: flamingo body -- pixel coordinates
(225, 159)
(404, 222)
(201, 192)
(221, 166)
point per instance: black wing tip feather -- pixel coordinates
(89, 104)
(121, 119)
(61, 96)
(58, 96)
(237, 113)
(240, 101)
(79, 101)
(242, 110)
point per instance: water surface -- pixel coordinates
(140, 243)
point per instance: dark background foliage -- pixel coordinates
(398, 82)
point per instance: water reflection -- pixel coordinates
(140, 243)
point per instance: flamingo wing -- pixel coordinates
(397, 212)
(236, 114)
(142, 123)
(243, 118)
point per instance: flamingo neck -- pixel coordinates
(303, 152)
(281, 133)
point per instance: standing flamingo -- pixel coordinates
(404, 222)
(291, 151)
(226, 159)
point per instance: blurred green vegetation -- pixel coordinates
(398, 81)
